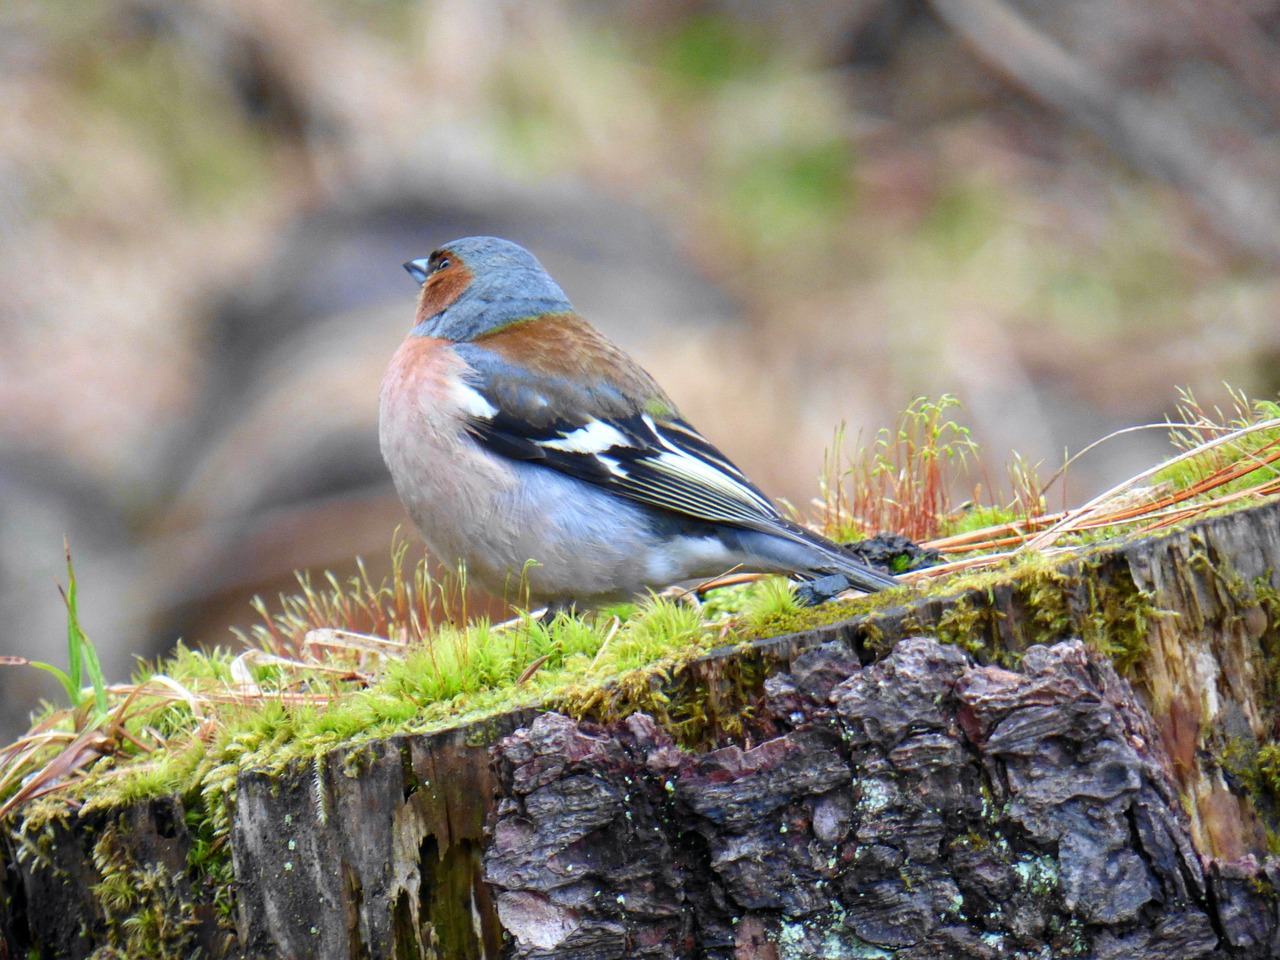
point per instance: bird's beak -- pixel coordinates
(418, 269)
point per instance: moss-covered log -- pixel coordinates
(830, 792)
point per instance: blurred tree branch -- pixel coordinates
(1150, 132)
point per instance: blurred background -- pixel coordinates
(1057, 212)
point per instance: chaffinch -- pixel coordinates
(526, 444)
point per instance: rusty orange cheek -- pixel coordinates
(442, 290)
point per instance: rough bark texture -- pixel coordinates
(923, 806)
(373, 852)
(882, 795)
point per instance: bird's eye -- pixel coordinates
(441, 264)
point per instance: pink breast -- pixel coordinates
(417, 407)
(423, 368)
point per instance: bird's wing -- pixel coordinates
(634, 447)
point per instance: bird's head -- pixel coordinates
(477, 285)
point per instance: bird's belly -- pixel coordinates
(584, 544)
(591, 546)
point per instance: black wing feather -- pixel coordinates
(609, 440)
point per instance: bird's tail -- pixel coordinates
(857, 572)
(800, 550)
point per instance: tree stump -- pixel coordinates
(1071, 760)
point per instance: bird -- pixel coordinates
(531, 449)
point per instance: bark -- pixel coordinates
(922, 806)
(854, 790)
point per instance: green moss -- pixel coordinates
(995, 615)
(146, 911)
(977, 518)
(1262, 605)
(967, 624)
(37, 831)
(209, 866)
(357, 761)
(782, 619)
(1253, 446)
(699, 701)
(769, 602)
(1263, 888)
(1117, 619)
